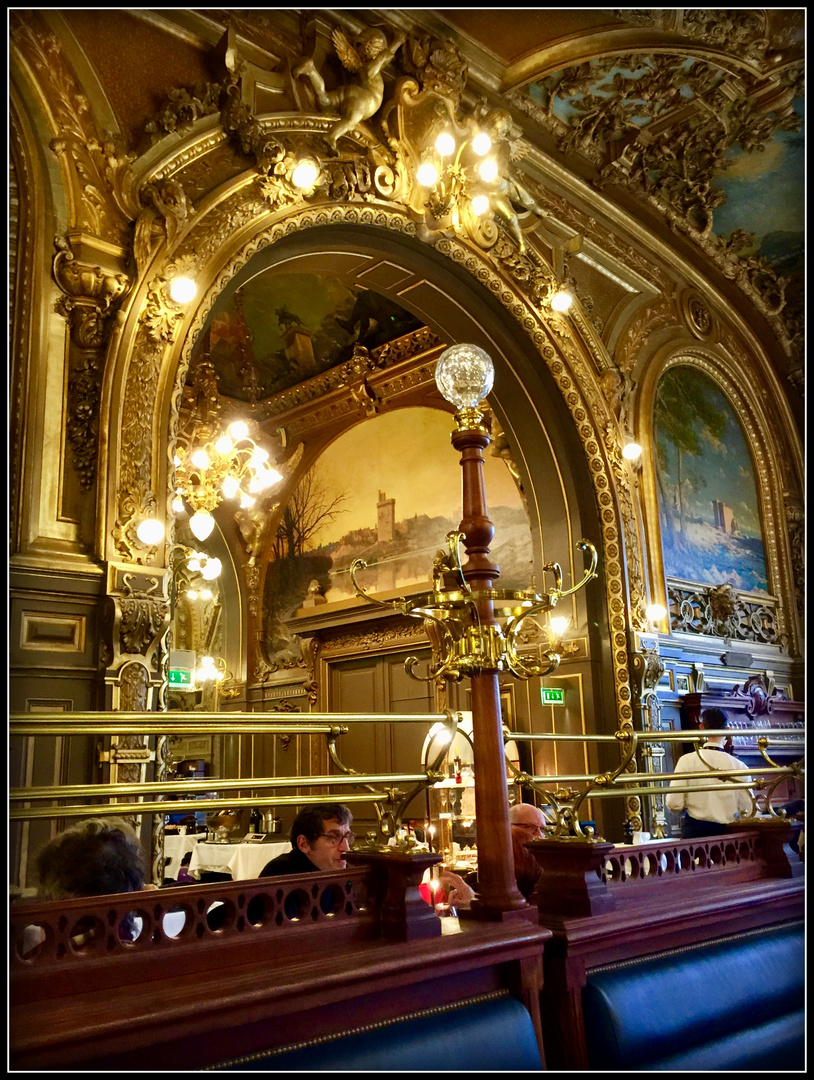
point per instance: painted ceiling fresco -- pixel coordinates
(726, 166)
(280, 329)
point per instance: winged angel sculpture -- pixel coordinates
(362, 97)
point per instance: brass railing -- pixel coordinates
(381, 788)
(565, 802)
(564, 795)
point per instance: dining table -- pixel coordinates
(243, 860)
(176, 846)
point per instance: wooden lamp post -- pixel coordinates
(464, 375)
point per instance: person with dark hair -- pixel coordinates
(707, 813)
(93, 858)
(320, 836)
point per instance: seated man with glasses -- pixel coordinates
(320, 836)
(528, 823)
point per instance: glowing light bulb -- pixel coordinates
(259, 457)
(183, 289)
(632, 451)
(192, 594)
(205, 594)
(238, 430)
(480, 204)
(269, 477)
(562, 300)
(427, 174)
(194, 565)
(655, 612)
(305, 174)
(558, 625)
(246, 501)
(200, 459)
(202, 523)
(481, 144)
(230, 487)
(445, 144)
(224, 445)
(211, 569)
(178, 505)
(150, 532)
(488, 170)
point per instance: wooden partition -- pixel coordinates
(605, 903)
(257, 966)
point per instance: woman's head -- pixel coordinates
(93, 858)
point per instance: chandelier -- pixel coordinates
(215, 462)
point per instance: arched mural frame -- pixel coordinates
(775, 483)
(155, 348)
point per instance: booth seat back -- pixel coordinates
(735, 1003)
(494, 1035)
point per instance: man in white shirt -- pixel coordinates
(707, 813)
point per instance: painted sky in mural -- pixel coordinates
(708, 506)
(765, 196)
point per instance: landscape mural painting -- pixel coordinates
(708, 505)
(388, 491)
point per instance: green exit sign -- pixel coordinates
(179, 677)
(552, 695)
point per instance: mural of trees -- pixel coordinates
(292, 567)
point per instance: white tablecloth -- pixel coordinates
(175, 848)
(243, 861)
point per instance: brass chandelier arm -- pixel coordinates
(590, 573)
(443, 670)
(401, 603)
(454, 540)
(526, 669)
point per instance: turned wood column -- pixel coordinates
(497, 891)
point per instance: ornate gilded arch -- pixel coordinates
(154, 350)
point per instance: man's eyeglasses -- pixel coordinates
(526, 825)
(336, 838)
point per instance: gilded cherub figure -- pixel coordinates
(507, 191)
(360, 99)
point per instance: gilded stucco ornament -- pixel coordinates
(165, 211)
(89, 301)
(96, 167)
(795, 517)
(183, 108)
(647, 669)
(135, 504)
(89, 295)
(158, 327)
(365, 60)
(723, 612)
(664, 127)
(142, 615)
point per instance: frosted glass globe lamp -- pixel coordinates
(464, 374)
